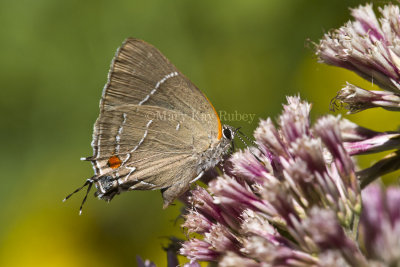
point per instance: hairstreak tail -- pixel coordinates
(156, 130)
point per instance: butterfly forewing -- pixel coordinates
(141, 75)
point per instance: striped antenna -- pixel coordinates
(252, 142)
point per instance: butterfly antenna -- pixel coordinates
(237, 130)
(241, 139)
(248, 138)
(252, 142)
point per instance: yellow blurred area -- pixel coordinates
(246, 56)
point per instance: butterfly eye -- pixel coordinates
(227, 133)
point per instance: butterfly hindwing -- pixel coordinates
(143, 151)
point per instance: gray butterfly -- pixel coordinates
(156, 130)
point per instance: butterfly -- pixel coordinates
(156, 130)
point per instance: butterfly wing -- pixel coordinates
(140, 74)
(153, 123)
(145, 152)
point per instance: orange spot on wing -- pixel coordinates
(219, 121)
(114, 162)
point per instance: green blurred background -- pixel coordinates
(245, 55)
